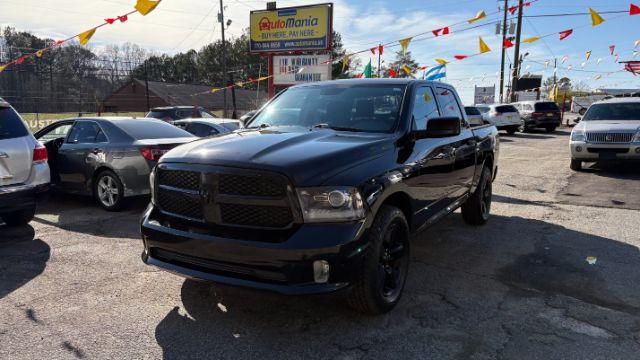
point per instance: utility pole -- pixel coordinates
(516, 56)
(223, 61)
(504, 37)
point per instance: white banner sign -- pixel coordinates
(485, 95)
(299, 69)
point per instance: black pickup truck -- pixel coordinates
(322, 190)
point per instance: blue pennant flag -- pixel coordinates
(435, 73)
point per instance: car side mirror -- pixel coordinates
(439, 128)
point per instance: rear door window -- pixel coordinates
(201, 130)
(11, 125)
(547, 106)
(448, 103)
(470, 110)
(57, 132)
(424, 107)
(85, 132)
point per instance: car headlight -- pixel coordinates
(152, 180)
(577, 135)
(331, 204)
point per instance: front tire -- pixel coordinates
(477, 209)
(550, 129)
(576, 165)
(378, 285)
(512, 130)
(109, 191)
(18, 218)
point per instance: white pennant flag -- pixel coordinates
(599, 61)
(583, 64)
(564, 58)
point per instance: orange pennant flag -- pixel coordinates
(588, 55)
(85, 36)
(146, 6)
(39, 53)
(531, 40)
(2, 67)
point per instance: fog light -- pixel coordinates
(320, 271)
(638, 150)
(578, 148)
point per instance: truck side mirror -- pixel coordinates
(439, 128)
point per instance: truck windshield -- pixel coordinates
(366, 107)
(620, 111)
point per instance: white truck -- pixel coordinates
(580, 104)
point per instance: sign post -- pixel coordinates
(291, 30)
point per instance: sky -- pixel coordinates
(179, 25)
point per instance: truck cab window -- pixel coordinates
(424, 108)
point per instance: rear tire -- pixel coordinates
(379, 282)
(477, 209)
(17, 218)
(512, 130)
(109, 191)
(576, 165)
(550, 129)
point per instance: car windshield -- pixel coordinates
(470, 110)
(366, 108)
(142, 129)
(547, 106)
(613, 111)
(11, 126)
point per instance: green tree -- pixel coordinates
(400, 61)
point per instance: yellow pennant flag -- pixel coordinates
(483, 46)
(216, 90)
(531, 40)
(146, 6)
(39, 53)
(588, 55)
(480, 15)
(404, 43)
(240, 84)
(598, 77)
(2, 67)
(442, 61)
(406, 69)
(635, 45)
(85, 36)
(596, 19)
(345, 62)
(263, 78)
(427, 98)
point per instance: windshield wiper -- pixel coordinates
(336, 128)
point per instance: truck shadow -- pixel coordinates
(464, 283)
(22, 257)
(81, 214)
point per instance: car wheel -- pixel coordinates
(108, 191)
(551, 129)
(512, 130)
(379, 282)
(477, 209)
(18, 218)
(576, 165)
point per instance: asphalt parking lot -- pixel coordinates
(72, 284)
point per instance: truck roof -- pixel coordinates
(389, 81)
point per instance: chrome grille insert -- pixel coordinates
(609, 137)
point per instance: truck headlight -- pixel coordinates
(331, 204)
(152, 181)
(636, 138)
(577, 135)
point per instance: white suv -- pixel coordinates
(610, 130)
(24, 172)
(503, 116)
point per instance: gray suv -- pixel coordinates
(24, 172)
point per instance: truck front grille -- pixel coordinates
(609, 137)
(226, 197)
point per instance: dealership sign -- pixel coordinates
(298, 69)
(301, 28)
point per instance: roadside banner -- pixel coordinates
(299, 69)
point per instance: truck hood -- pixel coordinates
(309, 157)
(610, 126)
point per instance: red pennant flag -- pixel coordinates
(393, 73)
(373, 50)
(20, 61)
(634, 10)
(123, 18)
(445, 93)
(445, 31)
(380, 49)
(359, 76)
(507, 43)
(513, 9)
(461, 57)
(110, 21)
(59, 42)
(565, 34)
(612, 48)
(437, 32)
(424, 67)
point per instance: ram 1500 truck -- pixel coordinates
(322, 190)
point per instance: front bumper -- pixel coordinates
(21, 197)
(285, 266)
(585, 151)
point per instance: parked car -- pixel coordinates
(474, 116)
(322, 190)
(609, 130)
(539, 114)
(172, 113)
(107, 157)
(24, 173)
(247, 116)
(208, 127)
(503, 116)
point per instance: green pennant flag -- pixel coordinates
(367, 70)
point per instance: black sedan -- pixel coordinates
(109, 158)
